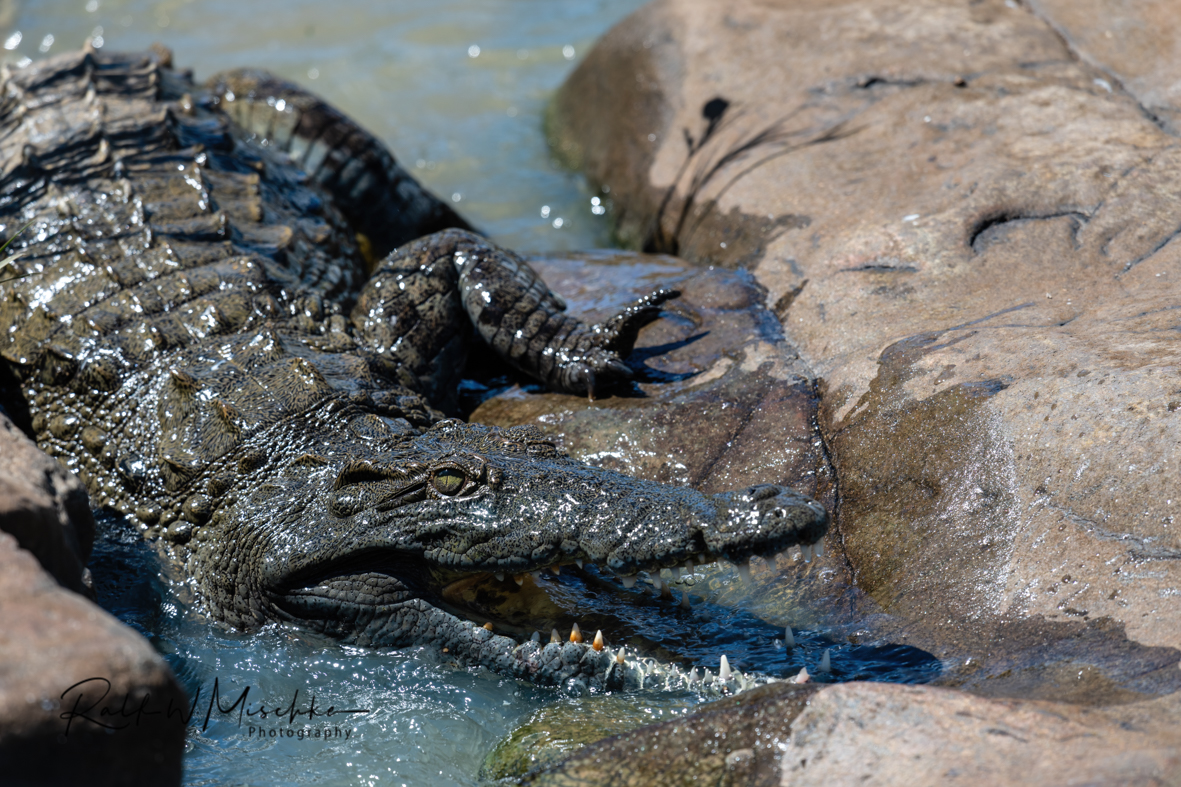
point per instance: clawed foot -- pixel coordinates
(592, 359)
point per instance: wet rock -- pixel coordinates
(735, 741)
(44, 507)
(51, 639)
(556, 731)
(876, 733)
(969, 235)
(720, 401)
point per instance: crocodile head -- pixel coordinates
(424, 536)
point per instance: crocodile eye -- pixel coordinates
(448, 482)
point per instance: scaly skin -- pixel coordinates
(195, 337)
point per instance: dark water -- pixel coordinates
(468, 124)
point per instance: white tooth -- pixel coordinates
(818, 548)
(789, 638)
(803, 676)
(555, 637)
(656, 581)
(702, 559)
(536, 636)
(806, 551)
(825, 662)
(688, 566)
(724, 670)
(628, 582)
(685, 599)
(693, 676)
(744, 572)
(499, 577)
(578, 562)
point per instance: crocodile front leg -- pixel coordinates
(418, 293)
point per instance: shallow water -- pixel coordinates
(467, 123)
(468, 127)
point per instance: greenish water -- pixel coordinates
(467, 127)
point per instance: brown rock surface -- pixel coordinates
(874, 733)
(44, 507)
(1135, 41)
(50, 640)
(969, 234)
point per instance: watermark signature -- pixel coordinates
(90, 702)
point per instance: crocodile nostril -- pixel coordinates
(762, 491)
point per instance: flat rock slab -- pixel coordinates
(968, 229)
(875, 733)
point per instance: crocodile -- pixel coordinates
(242, 324)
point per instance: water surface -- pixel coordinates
(455, 88)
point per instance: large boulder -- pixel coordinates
(84, 699)
(881, 734)
(969, 233)
(45, 508)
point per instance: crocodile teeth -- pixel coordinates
(576, 634)
(825, 662)
(744, 572)
(598, 643)
(519, 579)
(685, 599)
(554, 637)
(724, 670)
(666, 592)
(693, 676)
(536, 636)
(806, 551)
(488, 626)
(535, 574)
(656, 581)
(619, 656)
(578, 562)
(628, 582)
(803, 676)
(819, 548)
(499, 577)
(789, 638)
(556, 569)
(702, 559)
